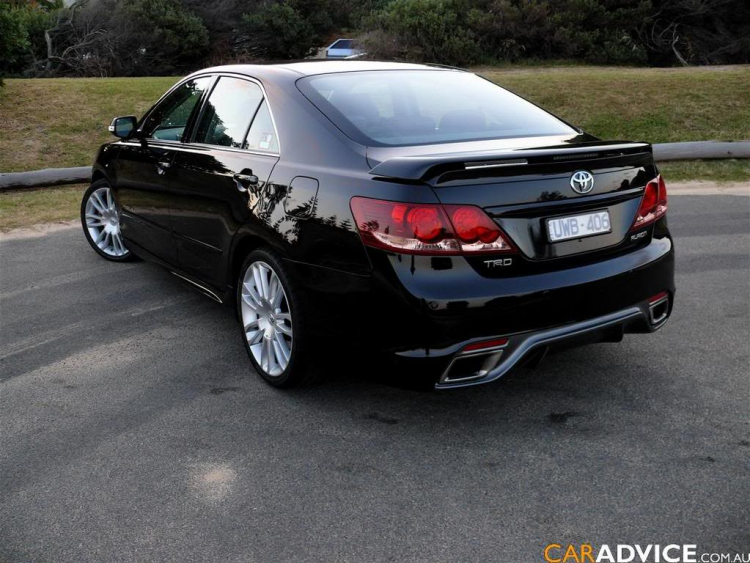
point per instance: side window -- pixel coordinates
(228, 112)
(168, 121)
(262, 135)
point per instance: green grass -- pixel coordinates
(713, 170)
(60, 122)
(44, 206)
(644, 104)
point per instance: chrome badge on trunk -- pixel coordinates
(582, 182)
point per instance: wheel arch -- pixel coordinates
(243, 245)
(98, 173)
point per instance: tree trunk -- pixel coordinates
(48, 39)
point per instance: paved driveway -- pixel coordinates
(132, 428)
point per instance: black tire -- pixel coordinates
(127, 255)
(300, 369)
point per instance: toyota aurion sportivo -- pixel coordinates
(422, 211)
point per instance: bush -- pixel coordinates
(146, 37)
(596, 31)
(126, 37)
(422, 30)
(14, 40)
(697, 32)
(167, 36)
(22, 41)
(279, 31)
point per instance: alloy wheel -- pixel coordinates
(103, 223)
(267, 318)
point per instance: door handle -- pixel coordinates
(162, 166)
(246, 181)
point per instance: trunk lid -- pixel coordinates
(522, 188)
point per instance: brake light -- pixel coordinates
(654, 203)
(427, 228)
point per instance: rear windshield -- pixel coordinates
(421, 107)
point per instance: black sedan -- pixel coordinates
(422, 211)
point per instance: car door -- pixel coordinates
(217, 177)
(142, 169)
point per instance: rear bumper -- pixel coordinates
(424, 311)
(422, 306)
(489, 364)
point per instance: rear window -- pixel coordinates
(421, 107)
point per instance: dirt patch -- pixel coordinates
(38, 230)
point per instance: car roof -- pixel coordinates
(316, 66)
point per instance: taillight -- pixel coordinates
(475, 231)
(404, 227)
(654, 203)
(427, 228)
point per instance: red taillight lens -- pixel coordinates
(404, 227)
(662, 205)
(426, 228)
(654, 203)
(473, 225)
(476, 231)
(426, 223)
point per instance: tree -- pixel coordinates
(287, 29)
(125, 37)
(22, 28)
(166, 36)
(697, 32)
(423, 30)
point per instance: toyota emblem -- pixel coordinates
(582, 182)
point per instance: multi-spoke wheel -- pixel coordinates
(271, 323)
(101, 222)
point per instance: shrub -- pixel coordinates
(279, 31)
(167, 36)
(22, 41)
(423, 30)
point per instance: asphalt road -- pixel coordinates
(133, 429)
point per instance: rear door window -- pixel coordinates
(262, 135)
(228, 112)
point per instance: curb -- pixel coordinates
(701, 150)
(44, 178)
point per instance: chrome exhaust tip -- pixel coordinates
(658, 308)
(474, 363)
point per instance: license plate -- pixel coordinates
(578, 226)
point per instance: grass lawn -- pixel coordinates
(48, 123)
(59, 122)
(652, 105)
(43, 206)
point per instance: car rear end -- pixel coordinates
(514, 260)
(531, 241)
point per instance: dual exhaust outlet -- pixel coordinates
(480, 360)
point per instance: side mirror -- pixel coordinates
(122, 127)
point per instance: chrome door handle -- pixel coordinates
(162, 166)
(246, 181)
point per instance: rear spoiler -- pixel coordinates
(422, 167)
